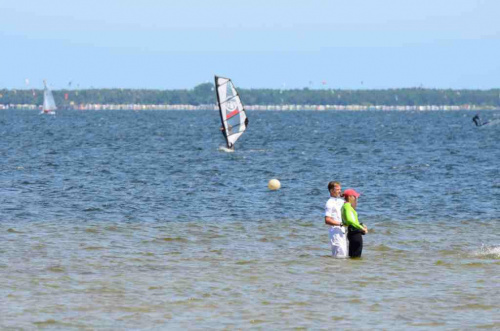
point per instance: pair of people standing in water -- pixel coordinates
(341, 215)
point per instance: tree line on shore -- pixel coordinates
(204, 94)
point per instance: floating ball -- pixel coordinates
(274, 184)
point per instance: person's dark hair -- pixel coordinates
(332, 184)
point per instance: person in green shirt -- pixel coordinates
(355, 230)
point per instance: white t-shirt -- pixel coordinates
(333, 209)
(338, 240)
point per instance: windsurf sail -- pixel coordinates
(232, 113)
(49, 105)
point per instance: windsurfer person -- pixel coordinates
(229, 145)
(477, 120)
(230, 131)
(232, 113)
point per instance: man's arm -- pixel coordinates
(330, 221)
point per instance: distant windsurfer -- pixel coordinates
(477, 120)
(231, 111)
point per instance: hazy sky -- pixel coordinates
(163, 44)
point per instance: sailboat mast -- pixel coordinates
(224, 131)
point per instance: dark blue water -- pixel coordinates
(124, 165)
(109, 219)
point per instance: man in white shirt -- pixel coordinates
(333, 217)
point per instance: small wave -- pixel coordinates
(411, 166)
(381, 248)
(428, 324)
(90, 209)
(488, 252)
(258, 150)
(442, 263)
(56, 269)
(175, 239)
(447, 252)
(225, 149)
(93, 248)
(137, 309)
(474, 264)
(315, 192)
(244, 262)
(45, 323)
(475, 306)
(257, 321)
(385, 248)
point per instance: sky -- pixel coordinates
(279, 44)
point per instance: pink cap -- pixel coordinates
(352, 192)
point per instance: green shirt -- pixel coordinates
(350, 216)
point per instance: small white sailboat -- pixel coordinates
(49, 105)
(232, 113)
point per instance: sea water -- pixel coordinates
(137, 220)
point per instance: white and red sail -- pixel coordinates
(232, 113)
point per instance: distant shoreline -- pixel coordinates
(257, 107)
(203, 97)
